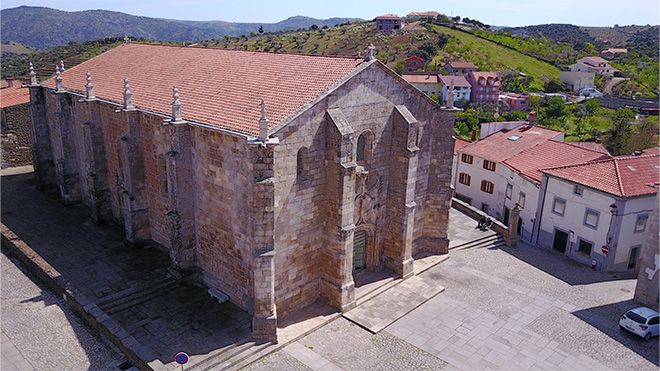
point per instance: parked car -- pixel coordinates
(642, 321)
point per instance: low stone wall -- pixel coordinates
(477, 214)
(16, 136)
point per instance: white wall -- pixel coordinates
(488, 128)
(528, 211)
(577, 80)
(628, 238)
(573, 219)
(495, 201)
(428, 88)
(459, 93)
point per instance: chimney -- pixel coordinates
(531, 119)
(474, 135)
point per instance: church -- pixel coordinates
(270, 178)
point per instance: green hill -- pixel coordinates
(439, 43)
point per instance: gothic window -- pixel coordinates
(301, 164)
(362, 153)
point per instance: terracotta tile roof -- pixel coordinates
(421, 78)
(460, 143)
(474, 76)
(219, 87)
(459, 81)
(423, 14)
(415, 57)
(599, 147)
(550, 154)
(13, 96)
(461, 64)
(389, 16)
(623, 176)
(501, 146)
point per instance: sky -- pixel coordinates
(494, 12)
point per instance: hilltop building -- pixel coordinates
(457, 85)
(460, 68)
(414, 63)
(597, 65)
(422, 16)
(272, 178)
(388, 22)
(613, 52)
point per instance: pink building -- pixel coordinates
(485, 87)
(414, 62)
(514, 101)
(388, 22)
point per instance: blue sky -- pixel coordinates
(497, 12)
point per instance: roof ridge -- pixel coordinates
(631, 157)
(584, 148)
(580, 164)
(618, 177)
(242, 51)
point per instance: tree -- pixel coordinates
(592, 105)
(442, 40)
(314, 27)
(456, 19)
(555, 109)
(618, 138)
(553, 86)
(261, 29)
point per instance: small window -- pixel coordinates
(360, 154)
(578, 190)
(464, 178)
(559, 206)
(489, 165)
(521, 200)
(487, 186)
(484, 207)
(467, 158)
(632, 259)
(301, 164)
(585, 247)
(509, 191)
(640, 223)
(591, 218)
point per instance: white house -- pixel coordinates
(483, 178)
(597, 212)
(577, 80)
(427, 82)
(461, 88)
(597, 65)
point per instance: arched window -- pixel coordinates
(301, 165)
(360, 155)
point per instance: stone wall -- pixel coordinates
(647, 290)
(314, 211)
(16, 136)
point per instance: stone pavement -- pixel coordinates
(41, 332)
(131, 285)
(503, 308)
(462, 229)
(380, 311)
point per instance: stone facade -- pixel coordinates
(268, 222)
(647, 290)
(16, 136)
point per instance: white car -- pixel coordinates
(642, 321)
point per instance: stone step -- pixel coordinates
(391, 282)
(162, 288)
(129, 291)
(229, 356)
(478, 242)
(247, 357)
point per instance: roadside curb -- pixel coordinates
(81, 304)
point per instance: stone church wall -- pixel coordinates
(16, 136)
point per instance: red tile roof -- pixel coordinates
(460, 143)
(624, 176)
(415, 57)
(593, 60)
(389, 16)
(219, 87)
(13, 96)
(461, 64)
(550, 154)
(499, 146)
(421, 78)
(599, 147)
(474, 77)
(459, 81)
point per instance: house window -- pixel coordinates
(489, 165)
(509, 191)
(559, 206)
(632, 259)
(467, 158)
(487, 186)
(585, 247)
(578, 190)
(640, 223)
(591, 218)
(464, 178)
(521, 200)
(484, 207)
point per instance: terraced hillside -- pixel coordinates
(440, 43)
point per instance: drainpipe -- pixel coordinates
(539, 212)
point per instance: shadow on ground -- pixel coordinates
(606, 319)
(130, 285)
